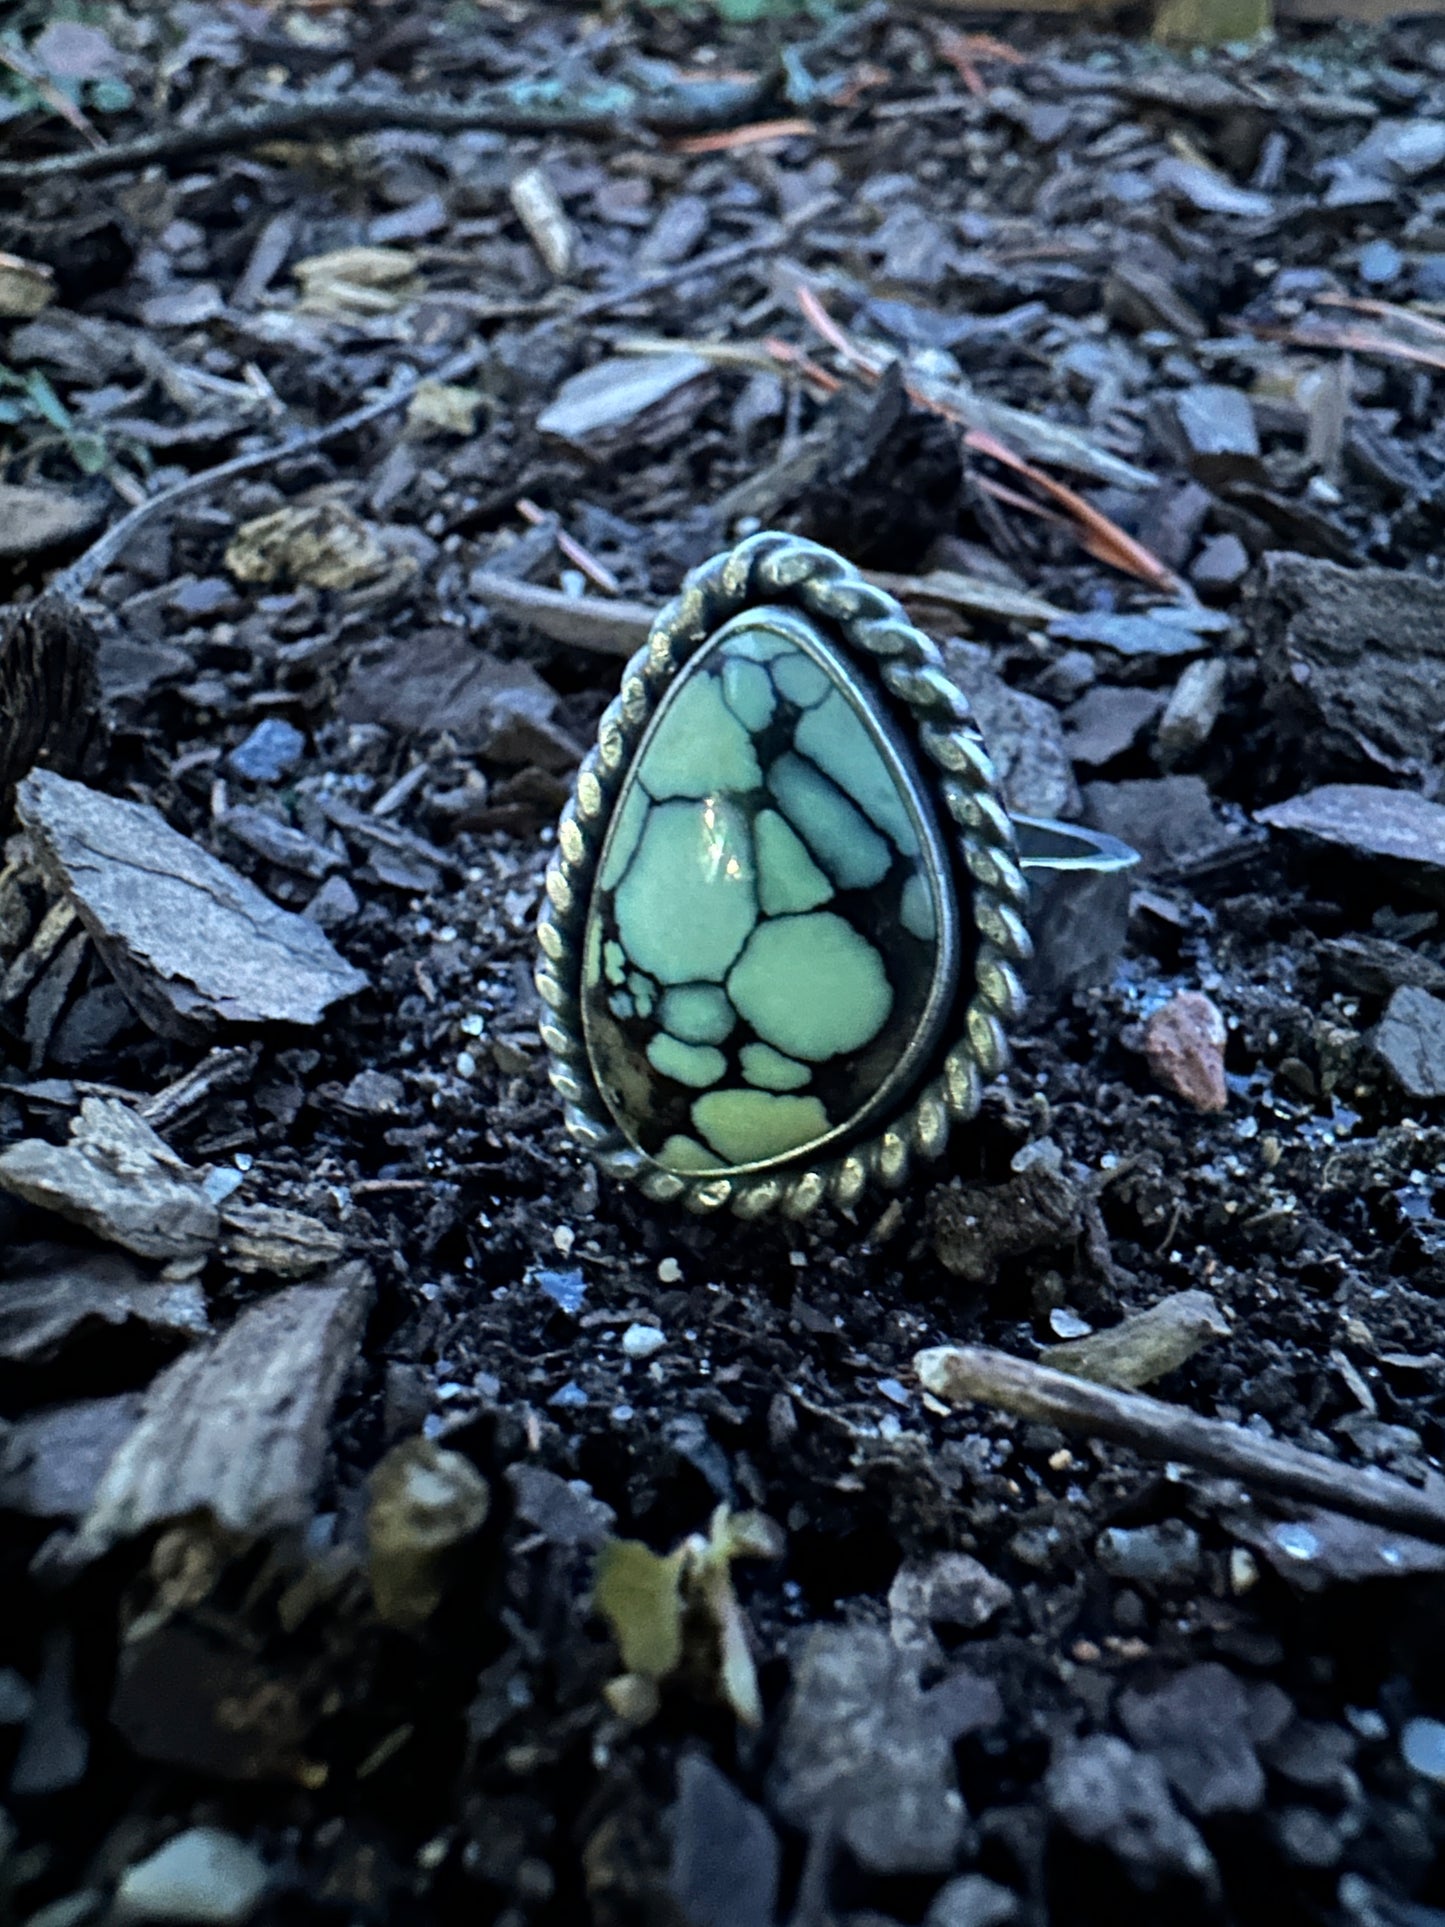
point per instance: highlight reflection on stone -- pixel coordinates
(771, 945)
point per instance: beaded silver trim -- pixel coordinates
(776, 568)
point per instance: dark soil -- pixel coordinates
(1087, 229)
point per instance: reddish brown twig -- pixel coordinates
(597, 573)
(729, 139)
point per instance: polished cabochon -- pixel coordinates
(773, 944)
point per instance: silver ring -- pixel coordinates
(784, 926)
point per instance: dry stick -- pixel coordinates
(1149, 1426)
(726, 256)
(75, 580)
(342, 119)
(586, 622)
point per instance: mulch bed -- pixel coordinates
(265, 1231)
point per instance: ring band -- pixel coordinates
(784, 923)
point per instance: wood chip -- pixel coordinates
(50, 1295)
(237, 1431)
(119, 1180)
(1146, 1346)
(190, 942)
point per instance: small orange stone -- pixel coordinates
(1184, 1044)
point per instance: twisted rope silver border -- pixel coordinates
(777, 568)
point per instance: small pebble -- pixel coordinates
(1380, 263)
(566, 1289)
(1193, 708)
(199, 1875)
(1184, 1044)
(669, 1271)
(1064, 1323)
(643, 1341)
(1423, 1745)
(1221, 565)
(269, 753)
(1161, 1555)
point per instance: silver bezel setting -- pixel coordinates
(872, 628)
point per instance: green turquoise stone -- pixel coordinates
(772, 948)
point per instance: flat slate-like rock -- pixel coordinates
(38, 520)
(1409, 1041)
(192, 943)
(1369, 821)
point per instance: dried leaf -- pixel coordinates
(425, 1502)
(350, 283)
(25, 288)
(323, 544)
(665, 1611)
(639, 1593)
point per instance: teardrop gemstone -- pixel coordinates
(772, 945)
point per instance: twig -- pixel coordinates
(727, 256)
(727, 140)
(1357, 341)
(587, 622)
(596, 573)
(1157, 1430)
(1103, 538)
(611, 109)
(75, 580)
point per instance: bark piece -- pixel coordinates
(119, 1180)
(629, 399)
(1146, 1346)
(285, 1244)
(49, 693)
(238, 1430)
(51, 1296)
(190, 942)
(1356, 663)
